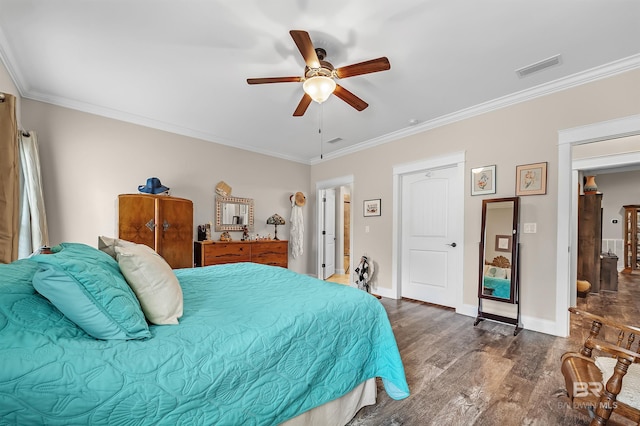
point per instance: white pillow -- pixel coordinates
(494, 271)
(108, 245)
(630, 393)
(153, 281)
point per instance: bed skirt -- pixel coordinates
(339, 411)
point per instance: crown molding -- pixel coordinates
(578, 79)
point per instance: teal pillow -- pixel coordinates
(87, 287)
(17, 277)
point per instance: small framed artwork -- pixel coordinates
(531, 179)
(503, 243)
(483, 180)
(372, 207)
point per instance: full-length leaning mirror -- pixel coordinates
(499, 250)
(233, 213)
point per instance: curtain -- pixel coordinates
(33, 219)
(9, 179)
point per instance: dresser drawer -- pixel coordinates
(273, 253)
(218, 253)
(269, 252)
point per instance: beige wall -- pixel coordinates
(88, 160)
(618, 190)
(520, 134)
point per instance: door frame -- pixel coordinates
(328, 184)
(454, 159)
(567, 231)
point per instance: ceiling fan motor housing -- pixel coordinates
(325, 70)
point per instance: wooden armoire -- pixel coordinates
(161, 222)
(590, 239)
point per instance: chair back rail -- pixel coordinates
(622, 346)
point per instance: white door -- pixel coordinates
(430, 231)
(329, 233)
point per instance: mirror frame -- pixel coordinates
(233, 200)
(513, 297)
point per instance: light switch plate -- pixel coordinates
(530, 228)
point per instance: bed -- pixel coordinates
(254, 344)
(496, 280)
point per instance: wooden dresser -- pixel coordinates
(267, 252)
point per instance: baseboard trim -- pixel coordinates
(528, 322)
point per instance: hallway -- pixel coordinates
(622, 306)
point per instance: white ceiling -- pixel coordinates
(182, 65)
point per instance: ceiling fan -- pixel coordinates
(319, 75)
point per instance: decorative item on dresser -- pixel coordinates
(267, 252)
(590, 186)
(275, 220)
(161, 222)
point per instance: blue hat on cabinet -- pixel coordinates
(153, 186)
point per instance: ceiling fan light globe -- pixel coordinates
(319, 88)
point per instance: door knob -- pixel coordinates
(452, 244)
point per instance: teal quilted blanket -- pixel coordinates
(257, 345)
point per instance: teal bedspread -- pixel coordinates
(257, 345)
(499, 287)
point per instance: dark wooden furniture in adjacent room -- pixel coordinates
(631, 240)
(590, 239)
(608, 272)
(161, 222)
(267, 252)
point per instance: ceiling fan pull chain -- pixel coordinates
(321, 113)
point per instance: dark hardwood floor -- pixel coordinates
(459, 374)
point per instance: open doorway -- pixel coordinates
(567, 200)
(334, 233)
(614, 292)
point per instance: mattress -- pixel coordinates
(256, 345)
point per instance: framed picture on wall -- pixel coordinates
(483, 180)
(531, 179)
(372, 207)
(503, 243)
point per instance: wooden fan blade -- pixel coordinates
(302, 106)
(350, 98)
(367, 67)
(305, 46)
(274, 80)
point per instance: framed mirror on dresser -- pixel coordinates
(498, 277)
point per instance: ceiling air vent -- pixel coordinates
(538, 66)
(334, 140)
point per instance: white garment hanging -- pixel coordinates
(297, 229)
(33, 232)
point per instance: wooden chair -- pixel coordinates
(608, 381)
